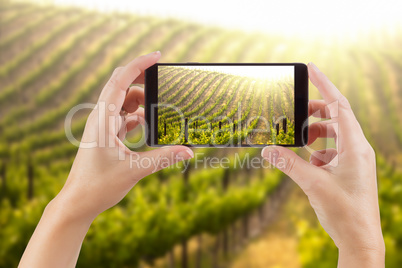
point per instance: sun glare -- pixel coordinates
(303, 18)
(258, 72)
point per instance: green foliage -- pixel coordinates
(317, 248)
(162, 210)
(222, 96)
(17, 225)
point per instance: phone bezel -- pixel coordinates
(300, 93)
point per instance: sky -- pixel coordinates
(307, 17)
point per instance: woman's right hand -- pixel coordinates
(341, 183)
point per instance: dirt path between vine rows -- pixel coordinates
(277, 246)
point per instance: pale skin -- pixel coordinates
(352, 221)
(341, 183)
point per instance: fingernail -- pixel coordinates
(314, 67)
(155, 53)
(185, 154)
(270, 153)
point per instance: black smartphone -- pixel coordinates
(226, 105)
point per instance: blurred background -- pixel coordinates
(57, 54)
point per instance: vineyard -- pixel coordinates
(53, 58)
(216, 108)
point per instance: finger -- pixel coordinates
(327, 90)
(134, 98)
(318, 108)
(134, 119)
(131, 121)
(114, 92)
(113, 77)
(349, 130)
(323, 157)
(155, 160)
(323, 129)
(300, 171)
(138, 66)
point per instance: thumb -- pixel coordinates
(299, 170)
(152, 161)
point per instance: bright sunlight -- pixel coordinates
(258, 72)
(287, 17)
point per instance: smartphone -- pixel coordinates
(226, 105)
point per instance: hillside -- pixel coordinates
(55, 58)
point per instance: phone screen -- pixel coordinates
(223, 105)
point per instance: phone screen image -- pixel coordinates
(224, 105)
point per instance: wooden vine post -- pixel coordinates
(225, 235)
(284, 125)
(3, 171)
(186, 130)
(30, 174)
(184, 246)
